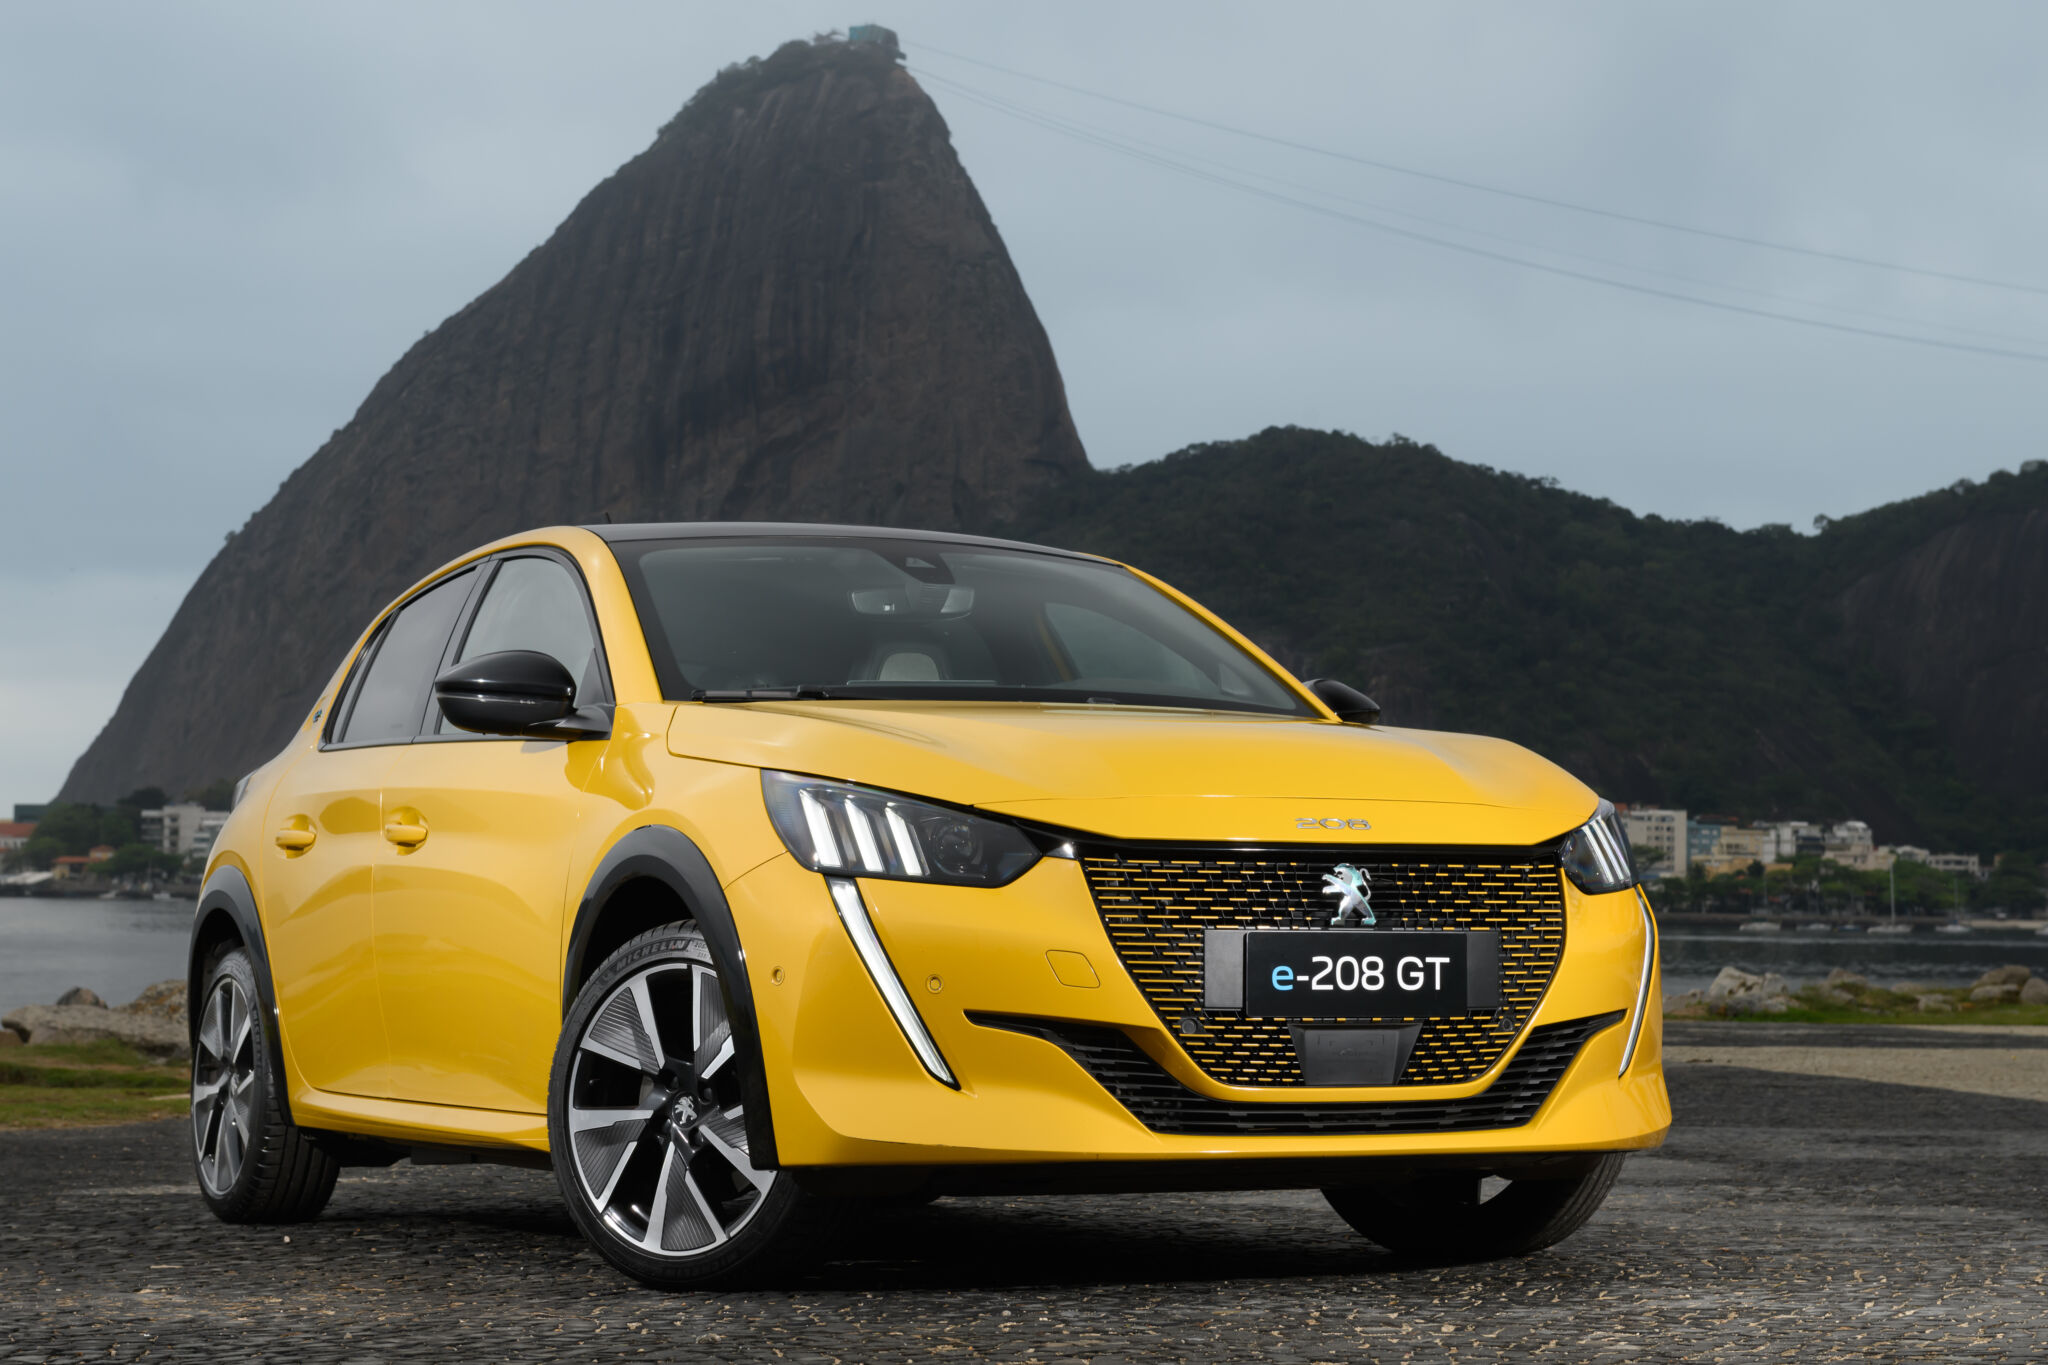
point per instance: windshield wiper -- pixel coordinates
(761, 694)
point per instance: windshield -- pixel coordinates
(890, 619)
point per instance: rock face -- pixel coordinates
(1960, 623)
(793, 305)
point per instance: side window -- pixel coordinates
(392, 694)
(537, 604)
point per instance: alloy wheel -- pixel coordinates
(657, 1128)
(224, 1085)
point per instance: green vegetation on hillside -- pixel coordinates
(74, 828)
(1821, 886)
(1663, 661)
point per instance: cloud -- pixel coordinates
(220, 224)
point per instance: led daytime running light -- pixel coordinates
(848, 831)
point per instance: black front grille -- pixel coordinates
(1164, 1105)
(1156, 903)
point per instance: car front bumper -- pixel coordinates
(1005, 981)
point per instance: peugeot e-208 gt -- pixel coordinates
(744, 872)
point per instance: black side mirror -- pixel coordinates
(1349, 703)
(518, 692)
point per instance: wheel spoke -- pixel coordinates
(228, 1149)
(245, 1025)
(727, 1135)
(657, 1216)
(643, 1002)
(695, 1219)
(622, 1031)
(714, 1052)
(581, 1120)
(205, 1092)
(707, 1009)
(602, 1154)
(211, 1028)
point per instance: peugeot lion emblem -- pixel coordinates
(1355, 886)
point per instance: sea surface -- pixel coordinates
(1692, 957)
(118, 947)
(47, 946)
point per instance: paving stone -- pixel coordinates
(1789, 1217)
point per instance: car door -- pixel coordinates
(326, 818)
(470, 918)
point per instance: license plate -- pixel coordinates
(1359, 973)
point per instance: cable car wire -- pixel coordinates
(1482, 188)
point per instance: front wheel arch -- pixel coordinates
(225, 920)
(657, 870)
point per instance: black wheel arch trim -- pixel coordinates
(228, 895)
(667, 855)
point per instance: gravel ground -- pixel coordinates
(1790, 1217)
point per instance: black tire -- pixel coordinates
(252, 1163)
(1444, 1216)
(648, 1132)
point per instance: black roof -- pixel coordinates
(716, 530)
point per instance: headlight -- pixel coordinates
(1595, 855)
(859, 832)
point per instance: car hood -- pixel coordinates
(1143, 773)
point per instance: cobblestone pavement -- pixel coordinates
(1796, 1218)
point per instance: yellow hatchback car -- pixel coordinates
(748, 873)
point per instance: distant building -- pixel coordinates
(70, 865)
(16, 834)
(1703, 836)
(182, 829)
(1850, 844)
(99, 853)
(1792, 839)
(1658, 838)
(1957, 863)
(1737, 849)
(1910, 853)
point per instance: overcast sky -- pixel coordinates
(219, 224)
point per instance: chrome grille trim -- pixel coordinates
(1156, 901)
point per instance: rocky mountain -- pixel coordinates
(1892, 667)
(793, 305)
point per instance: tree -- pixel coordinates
(218, 794)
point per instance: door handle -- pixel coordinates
(405, 834)
(296, 836)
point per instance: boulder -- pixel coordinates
(2005, 976)
(164, 1000)
(80, 995)
(90, 1023)
(1843, 978)
(9, 1038)
(1686, 1003)
(1995, 995)
(1829, 995)
(1936, 1004)
(2035, 992)
(1734, 985)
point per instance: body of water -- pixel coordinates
(1692, 957)
(116, 948)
